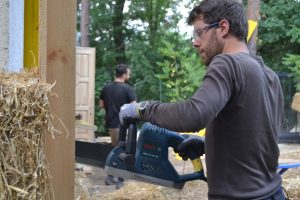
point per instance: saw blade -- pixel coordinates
(141, 177)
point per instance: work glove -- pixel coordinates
(192, 143)
(132, 112)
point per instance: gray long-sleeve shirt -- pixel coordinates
(240, 103)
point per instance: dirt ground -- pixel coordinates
(90, 183)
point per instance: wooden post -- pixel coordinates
(60, 29)
(84, 23)
(253, 13)
(43, 40)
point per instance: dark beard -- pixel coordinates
(214, 48)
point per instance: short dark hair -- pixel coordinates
(216, 10)
(121, 69)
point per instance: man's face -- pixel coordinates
(127, 75)
(206, 40)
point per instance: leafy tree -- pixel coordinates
(279, 38)
(118, 35)
(156, 21)
(279, 32)
(181, 70)
(112, 34)
(150, 37)
(101, 37)
(293, 63)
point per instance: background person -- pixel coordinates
(113, 96)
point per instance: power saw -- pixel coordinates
(147, 160)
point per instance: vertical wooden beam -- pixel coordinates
(84, 23)
(60, 68)
(43, 40)
(253, 14)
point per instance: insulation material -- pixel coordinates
(25, 120)
(136, 191)
(296, 102)
(81, 186)
(291, 186)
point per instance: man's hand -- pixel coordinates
(191, 143)
(129, 113)
(133, 112)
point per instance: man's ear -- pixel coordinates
(224, 27)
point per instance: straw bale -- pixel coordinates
(24, 121)
(292, 186)
(296, 102)
(136, 191)
(81, 186)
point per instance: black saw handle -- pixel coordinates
(130, 144)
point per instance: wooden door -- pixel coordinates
(85, 91)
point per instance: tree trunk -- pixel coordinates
(253, 13)
(118, 34)
(84, 23)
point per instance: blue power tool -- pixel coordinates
(148, 160)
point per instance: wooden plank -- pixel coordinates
(60, 68)
(43, 40)
(253, 14)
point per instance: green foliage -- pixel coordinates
(101, 30)
(293, 63)
(147, 28)
(143, 68)
(279, 36)
(164, 65)
(181, 71)
(279, 32)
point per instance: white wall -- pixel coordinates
(3, 33)
(11, 35)
(16, 35)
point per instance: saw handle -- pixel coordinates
(174, 140)
(130, 144)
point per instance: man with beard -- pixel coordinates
(239, 102)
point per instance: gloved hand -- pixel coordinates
(132, 112)
(192, 143)
(129, 113)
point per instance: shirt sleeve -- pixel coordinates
(196, 112)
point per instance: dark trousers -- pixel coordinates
(278, 195)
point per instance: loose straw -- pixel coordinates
(24, 121)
